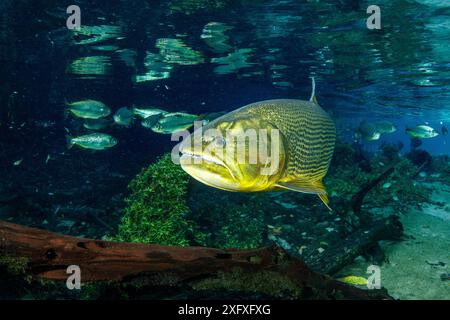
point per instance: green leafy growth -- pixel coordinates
(229, 220)
(156, 209)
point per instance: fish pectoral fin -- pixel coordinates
(325, 200)
(305, 186)
(311, 187)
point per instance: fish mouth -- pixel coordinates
(215, 165)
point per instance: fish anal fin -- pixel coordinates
(306, 186)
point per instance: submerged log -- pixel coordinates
(342, 253)
(358, 198)
(48, 255)
(361, 233)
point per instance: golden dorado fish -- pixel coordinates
(299, 134)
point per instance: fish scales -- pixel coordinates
(309, 132)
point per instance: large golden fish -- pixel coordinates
(264, 146)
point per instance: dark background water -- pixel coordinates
(400, 73)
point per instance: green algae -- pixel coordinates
(156, 208)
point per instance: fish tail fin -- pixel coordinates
(66, 113)
(307, 186)
(66, 109)
(67, 103)
(69, 141)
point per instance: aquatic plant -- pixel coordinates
(228, 220)
(266, 282)
(156, 208)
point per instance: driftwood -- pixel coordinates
(355, 244)
(363, 233)
(357, 199)
(48, 256)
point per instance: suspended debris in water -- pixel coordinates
(387, 185)
(283, 84)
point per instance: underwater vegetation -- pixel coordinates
(157, 211)
(226, 220)
(156, 208)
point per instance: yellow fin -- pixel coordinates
(325, 200)
(305, 186)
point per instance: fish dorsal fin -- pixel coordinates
(305, 186)
(313, 92)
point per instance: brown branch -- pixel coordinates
(358, 198)
(357, 243)
(48, 255)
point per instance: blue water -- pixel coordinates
(399, 73)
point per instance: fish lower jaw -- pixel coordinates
(199, 158)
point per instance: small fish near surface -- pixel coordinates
(94, 141)
(422, 132)
(88, 109)
(124, 117)
(385, 127)
(145, 113)
(150, 121)
(368, 131)
(373, 131)
(97, 124)
(174, 122)
(300, 134)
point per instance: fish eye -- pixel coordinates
(220, 141)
